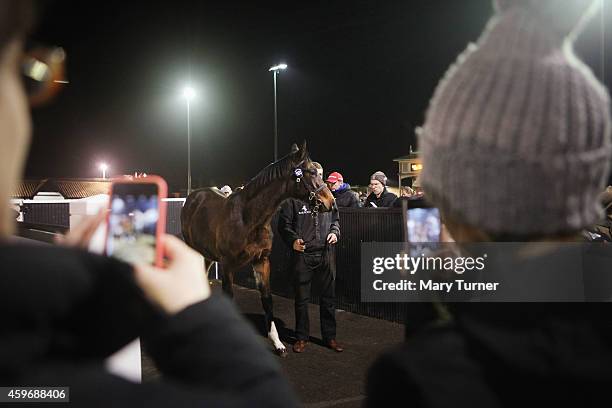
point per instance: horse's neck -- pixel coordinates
(261, 205)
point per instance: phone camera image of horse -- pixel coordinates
(236, 231)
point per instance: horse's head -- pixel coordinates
(308, 181)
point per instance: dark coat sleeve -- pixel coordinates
(74, 309)
(208, 357)
(389, 199)
(209, 346)
(368, 203)
(286, 226)
(335, 222)
(385, 377)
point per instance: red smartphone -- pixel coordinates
(136, 220)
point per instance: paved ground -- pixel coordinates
(321, 377)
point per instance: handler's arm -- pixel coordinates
(286, 226)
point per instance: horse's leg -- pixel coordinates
(261, 268)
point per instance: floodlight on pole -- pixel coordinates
(103, 167)
(188, 94)
(278, 67)
(275, 69)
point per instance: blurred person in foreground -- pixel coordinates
(63, 311)
(515, 147)
(345, 197)
(380, 196)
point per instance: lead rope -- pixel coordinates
(317, 206)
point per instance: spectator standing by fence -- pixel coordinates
(345, 197)
(380, 196)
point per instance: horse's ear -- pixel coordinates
(294, 149)
(303, 151)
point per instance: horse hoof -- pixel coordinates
(281, 352)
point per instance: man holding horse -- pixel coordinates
(312, 236)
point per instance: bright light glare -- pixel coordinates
(189, 93)
(277, 67)
(103, 166)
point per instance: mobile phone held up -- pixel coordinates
(422, 222)
(136, 220)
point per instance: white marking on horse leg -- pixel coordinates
(258, 281)
(273, 336)
(204, 268)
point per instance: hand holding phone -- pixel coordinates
(181, 283)
(137, 220)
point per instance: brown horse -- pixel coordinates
(235, 231)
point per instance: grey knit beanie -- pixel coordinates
(516, 137)
(380, 176)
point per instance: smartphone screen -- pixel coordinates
(132, 222)
(424, 225)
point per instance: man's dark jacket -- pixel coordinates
(386, 199)
(63, 312)
(296, 221)
(345, 197)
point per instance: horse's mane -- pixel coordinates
(271, 172)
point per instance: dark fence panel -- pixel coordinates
(50, 215)
(57, 215)
(359, 225)
(173, 217)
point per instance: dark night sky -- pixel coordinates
(359, 79)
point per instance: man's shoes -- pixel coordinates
(299, 346)
(333, 344)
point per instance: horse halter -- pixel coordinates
(298, 173)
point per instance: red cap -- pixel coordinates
(335, 176)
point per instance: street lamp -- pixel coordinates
(188, 94)
(103, 168)
(275, 69)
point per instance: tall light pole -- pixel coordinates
(103, 167)
(275, 69)
(188, 94)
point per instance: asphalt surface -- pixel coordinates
(321, 377)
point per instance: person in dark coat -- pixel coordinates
(495, 179)
(312, 239)
(64, 311)
(345, 197)
(379, 197)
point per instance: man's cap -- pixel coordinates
(335, 176)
